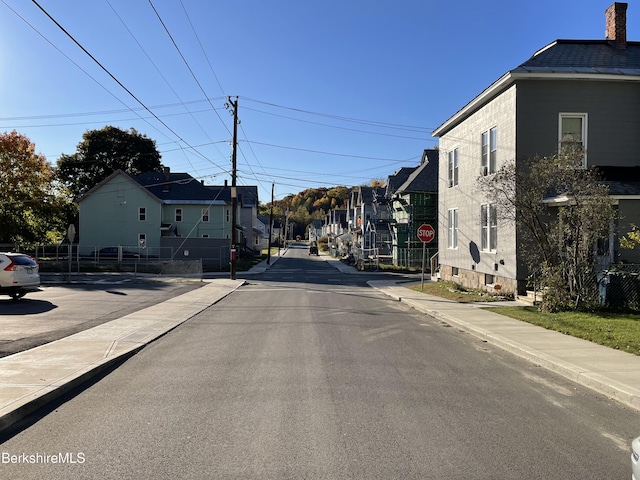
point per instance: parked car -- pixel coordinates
(19, 274)
(313, 248)
(112, 252)
(635, 459)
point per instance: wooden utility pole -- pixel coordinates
(270, 227)
(234, 193)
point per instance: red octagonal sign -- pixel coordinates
(426, 233)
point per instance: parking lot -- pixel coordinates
(56, 311)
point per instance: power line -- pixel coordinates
(113, 77)
(347, 119)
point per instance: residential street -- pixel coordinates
(306, 372)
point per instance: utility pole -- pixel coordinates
(234, 192)
(270, 227)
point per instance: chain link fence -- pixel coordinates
(619, 287)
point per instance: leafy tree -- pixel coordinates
(103, 152)
(558, 240)
(32, 208)
(632, 239)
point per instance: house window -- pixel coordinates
(454, 160)
(489, 223)
(452, 227)
(178, 214)
(205, 235)
(572, 135)
(142, 214)
(455, 271)
(489, 279)
(205, 214)
(227, 215)
(142, 239)
(489, 140)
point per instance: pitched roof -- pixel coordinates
(183, 187)
(173, 186)
(560, 59)
(584, 56)
(394, 181)
(622, 181)
(425, 177)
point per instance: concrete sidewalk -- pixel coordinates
(611, 372)
(31, 379)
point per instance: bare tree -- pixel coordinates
(560, 210)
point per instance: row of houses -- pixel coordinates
(584, 93)
(380, 224)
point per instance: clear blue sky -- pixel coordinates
(337, 92)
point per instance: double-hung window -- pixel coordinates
(142, 214)
(452, 227)
(178, 214)
(454, 163)
(489, 141)
(572, 135)
(205, 214)
(489, 227)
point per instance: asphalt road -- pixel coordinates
(304, 373)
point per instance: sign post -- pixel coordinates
(426, 234)
(71, 235)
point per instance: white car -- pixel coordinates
(19, 274)
(635, 459)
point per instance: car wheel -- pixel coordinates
(17, 295)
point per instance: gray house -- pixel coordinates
(579, 91)
(165, 215)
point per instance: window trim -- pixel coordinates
(453, 167)
(488, 227)
(585, 129)
(489, 159)
(452, 228)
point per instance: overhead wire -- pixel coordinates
(113, 77)
(193, 75)
(78, 66)
(248, 142)
(161, 75)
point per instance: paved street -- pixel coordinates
(305, 372)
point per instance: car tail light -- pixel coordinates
(11, 266)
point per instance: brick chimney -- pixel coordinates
(616, 24)
(166, 177)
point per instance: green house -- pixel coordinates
(159, 214)
(415, 203)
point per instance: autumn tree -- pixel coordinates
(32, 208)
(556, 237)
(102, 152)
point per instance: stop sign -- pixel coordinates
(426, 233)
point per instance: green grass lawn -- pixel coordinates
(620, 331)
